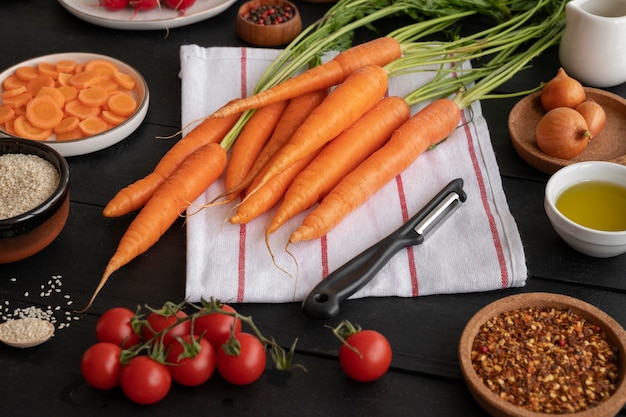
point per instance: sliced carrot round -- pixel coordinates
(112, 118)
(93, 96)
(69, 92)
(85, 79)
(77, 108)
(55, 95)
(39, 81)
(122, 104)
(66, 65)
(66, 125)
(26, 73)
(17, 100)
(64, 78)
(93, 125)
(13, 91)
(23, 128)
(42, 112)
(72, 134)
(8, 127)
(108, 84)
(13, 81)
(6, 114)
(101, 67)
(48, 68)
(124, 80)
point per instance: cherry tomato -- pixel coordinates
(159, 322)
(374, 358)
(114, 326)
(216, 326)
(101, 365)
(195, 369)
(114, 4)
(144, 380)
(248, 366)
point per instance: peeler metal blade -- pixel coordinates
(324, 300)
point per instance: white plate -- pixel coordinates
(109, 137)
(160, 18)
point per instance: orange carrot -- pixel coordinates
(68, 124)
(266, 196)
(426, 128)
(380, 51)
(39, 81)
(250, 142)
(194, 175)
(340, 157)
(298, 109)
(339, 110)
(135, 195)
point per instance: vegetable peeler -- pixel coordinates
(323, 301)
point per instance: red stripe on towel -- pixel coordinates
(409, 250)
(324, 255)
(241, 266)
(504, 275)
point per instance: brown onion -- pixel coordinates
(562, 133)
(562, 91)
(594, 114)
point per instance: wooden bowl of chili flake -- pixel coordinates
(268, 22)
(534, 354)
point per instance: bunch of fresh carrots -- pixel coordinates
(294, 139)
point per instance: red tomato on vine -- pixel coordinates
(101, 365)
(247, 365)
(115, 326)
(192, 362)
(216, 326)
(144, 380)
(365, 354)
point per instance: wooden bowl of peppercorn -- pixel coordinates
(534, 354)
(268, 23)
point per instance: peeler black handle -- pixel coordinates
(324, 300)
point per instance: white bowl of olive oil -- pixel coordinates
(586, 204)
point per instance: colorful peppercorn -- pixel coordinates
(269, 14)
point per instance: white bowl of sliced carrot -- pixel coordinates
(76, 102)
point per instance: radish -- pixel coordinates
(144, 4)
(180, 4)
(114, 4)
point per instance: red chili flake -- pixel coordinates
(546, 360)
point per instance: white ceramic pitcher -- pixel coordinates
(593, 47)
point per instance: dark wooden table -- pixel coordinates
(424, 379)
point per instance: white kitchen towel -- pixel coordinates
(477, 248)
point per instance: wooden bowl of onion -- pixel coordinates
(538, 354)
(268, 23)
(565, 123)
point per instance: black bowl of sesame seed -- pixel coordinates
(34, 197)
(268, 23)
(534, 354)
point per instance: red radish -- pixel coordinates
(144, 4)
(114, 4)
(180, 4)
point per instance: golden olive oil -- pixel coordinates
(595, 204)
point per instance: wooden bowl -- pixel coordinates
(267, 35)
(499, 407)
(607, 146)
